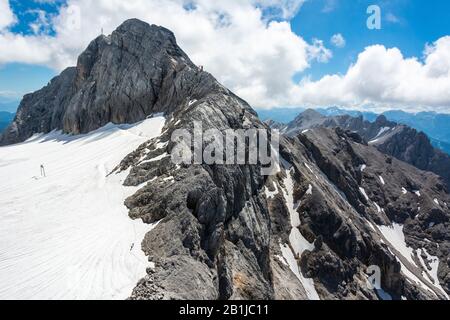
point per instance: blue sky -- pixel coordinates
(27, 12)
(408, 25)
(417, 22)
(17, 79)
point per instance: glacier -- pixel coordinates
(67, 235)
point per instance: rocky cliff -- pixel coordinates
(136, 71)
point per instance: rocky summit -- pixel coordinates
(337, 211)
(136, 71)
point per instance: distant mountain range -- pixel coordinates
(435, 125)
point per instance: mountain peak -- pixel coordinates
(310, 114)
(140, 27)
(383, 121)
(120, 78)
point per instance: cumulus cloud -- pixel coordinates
(319, 52)
(248, 45)
(338, 40)
(6, 15)
(383, 79)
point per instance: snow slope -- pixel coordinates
(68, 235)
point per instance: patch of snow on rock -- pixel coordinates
(298, 243)
(434, 264)
(270, 194)
(288, 193)
(378, 207)
(308, 284)
(282, 260)
(380, 133)
(310, 190)
(158, 158)
(394, 234)
(309, 168)
(363, 192)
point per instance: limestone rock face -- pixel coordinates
(136, 71)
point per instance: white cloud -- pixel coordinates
(319, 52)
(42, 23)
(286, 9)
(255, 57)
(8, 95)
(390, 17)
(6, 15)
(383, 79)
(338, 40)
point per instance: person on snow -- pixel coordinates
(42, 171)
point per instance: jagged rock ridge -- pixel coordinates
(397, 140)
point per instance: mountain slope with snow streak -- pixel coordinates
(297, 241)
(394, 139)
(68, 235)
